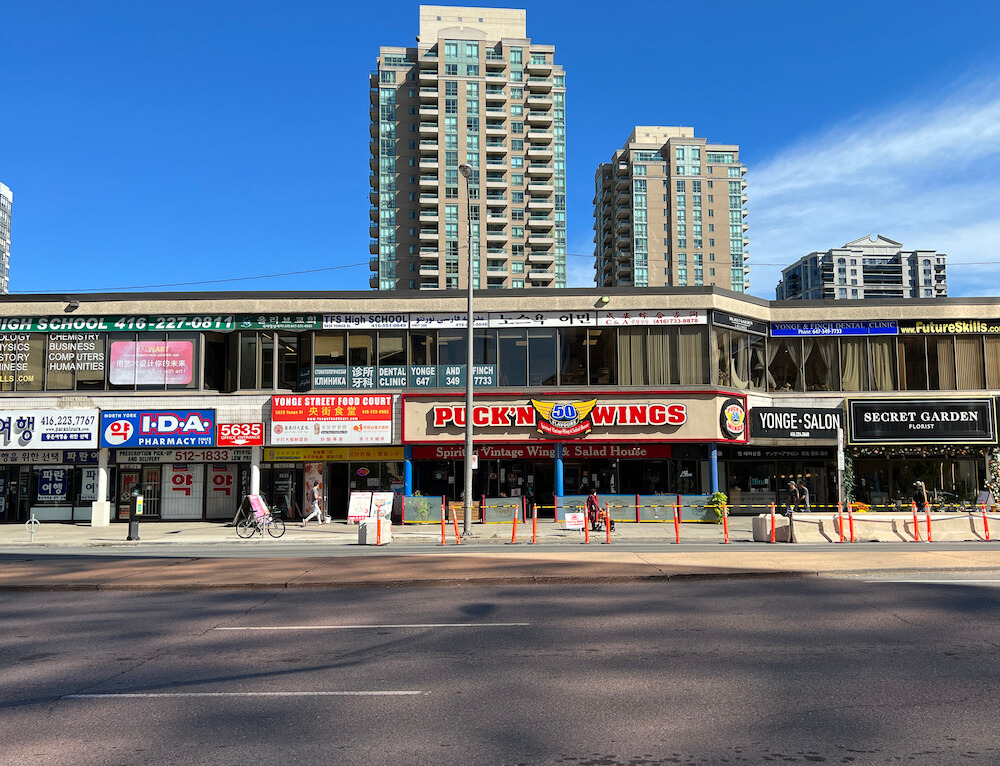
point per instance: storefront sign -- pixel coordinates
(75, 352)
(279, 322)
(231, 455)
(88, 485)
(612, 418)
(115, 323)
(330, 376)
(487, 452)
(240, 434)
(617, 451)
(52, 484)
(20, 359)
(151, 362)
(366, 321)
(794, 423)
(544, 319)
(335, 419)
(447, 321)
(777, 453)
(734, 322)
(921, 421)
(733, 417)
(866, 327)
(949, 327)
(48, 429)
(158, 428)
(30, 457)
(331, 454)
(650, 317)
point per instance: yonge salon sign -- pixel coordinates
(922, 421)
(612, 418)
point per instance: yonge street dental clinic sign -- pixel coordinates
(921, 421)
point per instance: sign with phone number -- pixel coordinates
(139, 456)
(117, 323)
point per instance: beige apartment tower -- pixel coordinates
(669, 211)
(476, 92)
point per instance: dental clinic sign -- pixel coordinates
(921, 421)
(158, 428)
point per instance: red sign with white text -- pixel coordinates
(240, 434)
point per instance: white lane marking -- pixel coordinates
(943, 582)
(371, 627)
(129, 695)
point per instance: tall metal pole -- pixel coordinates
(466, 172)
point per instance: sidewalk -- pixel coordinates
(62, 557)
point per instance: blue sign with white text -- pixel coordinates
(864, 327)
(158, 428)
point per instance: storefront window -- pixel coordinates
(853, 364)
(603, 357)
(422, 348)
(692, 347)
(248, 360)
(75, 361)
(969, 362)
(739, 354)
(784, 364)
(992, 361)
(513, 357)
(632, 350)
(331, 348)
(390, 348)
(542, 359)
(150, 361)
(662, 356)
(288, 361)
(573, 356)
(452, 347)
(758, 363)
(22, 361)
(912, 364)
(720, 351)
(821, 364)
(361, 349)
(484, 347)
(883, 369)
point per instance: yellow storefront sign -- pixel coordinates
(330, 454)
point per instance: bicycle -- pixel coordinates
(249, 526)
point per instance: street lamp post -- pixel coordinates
(466, 171)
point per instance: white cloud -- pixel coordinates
(923, 174)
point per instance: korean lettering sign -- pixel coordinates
(158, 428)
(48, 429)
(52, 483)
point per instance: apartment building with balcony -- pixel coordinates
(474, 90)
(869, 267)
(6, 201)
(670, 211)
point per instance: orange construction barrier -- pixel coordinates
(444, 540)
(840, 520)
(772, 522)
(607, 525)
(454, 518)
(586, 529)
(927, 514)
(513, 534)
(677, 523)
(378, 530)
(534, 524)
(916, 527)
(725, 523)
(850, 519)
(986, 522)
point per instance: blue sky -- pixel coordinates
(157, 144)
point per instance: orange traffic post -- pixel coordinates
(986, 522)
(850, 519)
(444, 540)
(772, 522)
(607, 525)
(927, 514)
(378, 529)
(916, 526)
(586, 528)
(534, 524)
(725, 523)
(840, 520)
(677, 523)
(513, 534)
(454, 518)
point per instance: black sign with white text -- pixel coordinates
(794, 423)
(921, 421)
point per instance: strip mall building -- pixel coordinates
(200, 399)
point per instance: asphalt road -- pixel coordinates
(725, 672)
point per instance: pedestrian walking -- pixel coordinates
(803, 500)
(315, 500)
(593, 509)
(920, 496)
(793, 498)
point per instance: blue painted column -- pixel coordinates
(559, 470)
(408, 471)
(713, 468)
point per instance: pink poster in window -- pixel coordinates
(151, 362)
